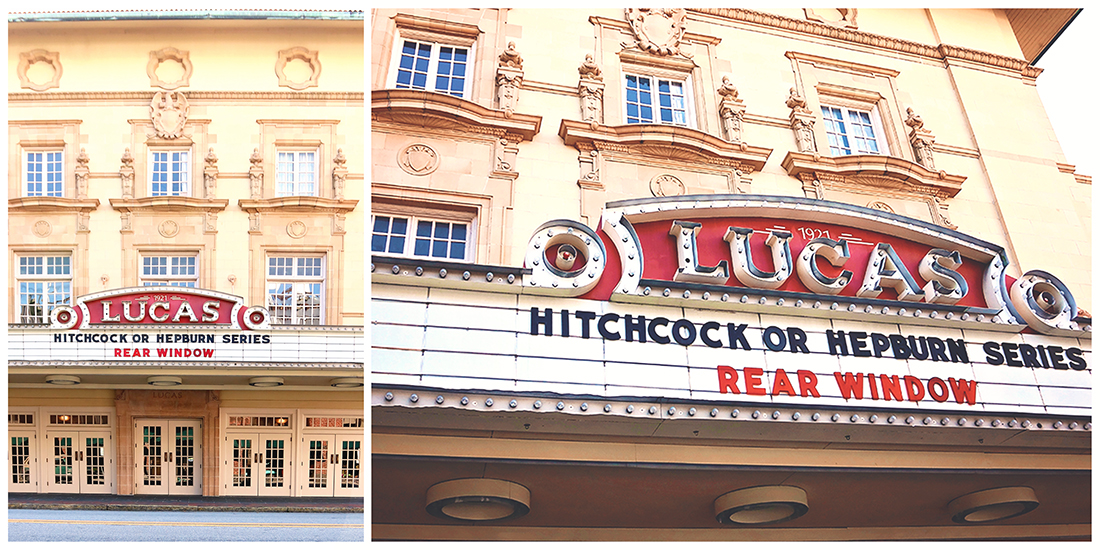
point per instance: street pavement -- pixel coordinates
(158, 526)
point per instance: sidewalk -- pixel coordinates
(185, 503)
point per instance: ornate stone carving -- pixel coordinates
(82, 221)
(210, 222)
(158, 57)
(921, 140)
(126, 174)
(296, 229)
(731, 110)
(837, 17)
(168, 229)
(667, 185)
(42, 229)
(589, 69)
(591, 161)
(511, 58)
(879, 205)
(81, 172)
(802, 123)
(590, 90)
(418, 159)
(256, 175)
(938, 208)
(338, 223)
(504, 156)
(210, 175)
(127, 221)
(168, 113)
(27, 59)
(254, 222)
(339, 175)
(309, 57)
(657, 30)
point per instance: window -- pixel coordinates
(171, 174)
(431, 239)
(852, 131)
(296, 174)
(169, 271)
(44, 282)
(43, 174)
(431, 66)
(651, 100)
(295, 286)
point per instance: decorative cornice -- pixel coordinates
(297, 204)
(896, 171)
(442, 111)
(940, 52)
(51, 204)
(625, 27)
(214, 96)
(669, 142)
(181, 204)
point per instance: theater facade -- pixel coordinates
(725, 274)
(185, 220)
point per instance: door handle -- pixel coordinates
(256, 458)
(165, 457)
(332, 458)
(171, 456)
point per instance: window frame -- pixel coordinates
(25, 163)
(151, 170)
(297, 282)
(656, 77)
(168, 278)
(43, 278)
(437, 43)
(413, 221)
(295, 185)
(846, 110)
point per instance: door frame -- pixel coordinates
(168, 457)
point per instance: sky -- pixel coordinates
(1068, 91)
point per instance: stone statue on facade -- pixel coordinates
(339, 175)
(81, 173)
(731, 110)
(210, 175)
(509, 79)
(256, 175)
(126, 174)
(511, 57)
(921, 139)
(802, 123)
(590, 90)
(589, 69)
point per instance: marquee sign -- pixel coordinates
(830, 259)
(161, 305)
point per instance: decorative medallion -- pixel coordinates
(418, 159)
(879, 205)
(42, 228)
(164, 57)
(837, 17)
(168, 229)
(40, 78)
(296, 81)
(296, 229)
(667, 185)
(168, 112)
(657, 30)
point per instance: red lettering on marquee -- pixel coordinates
(914, 390)
(782, 384)
(851, 385)
(753, 384)
(807, 383)
(727, 380)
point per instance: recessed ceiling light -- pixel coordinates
(62, 380)
(478, 499)
(992, 505)
(164, 380)
(761, 505)
(265, 381)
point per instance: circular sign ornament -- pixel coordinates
(42, 228)
(256, 317)
(1045, 303)
(557, 272)
(667, 185)
(63, 317)
(418, 159)
(168, 229)
(296, 229)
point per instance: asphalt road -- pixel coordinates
(97, 525)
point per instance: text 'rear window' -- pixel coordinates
(170, 174)
(43, 174)
(428, 238)
(432, 67)
(169, 271)
(850, 131)
(44, 282)
(655, 101)
(295, 286)
(296, 174)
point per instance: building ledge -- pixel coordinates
(51, 204)
(297, 204)
(886, 172)
(173, 204)
(441, 111)
(666, 142)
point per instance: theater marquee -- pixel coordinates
(754, 299)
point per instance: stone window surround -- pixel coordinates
(24, 186)
(416, 211)
(286, 135)
(454, 206)
(144, 140)
(845, 103)
(448, 33)
(17, 252)
(190, 183)
(43, 135)
(296, 184)
(656, 74)
(329, 315)
(433, 63)
(156, 251)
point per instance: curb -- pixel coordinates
(184, 508)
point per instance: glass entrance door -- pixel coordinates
(22, 451)
(259, 464)
(168, 457)
(80, 462)
(333, 465)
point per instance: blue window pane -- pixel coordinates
(439, 249)
(378, 243)
(400, 226)
(459, 70)
(444, 67)
(460, 55)
(459, 232)
(424, 229)
(422, 247)
(442, 230)
(381, 224)
(403, 79)
(406, 62)
(397, 245)
(632, 111)
(666, 115)
(421, 64)
(420, 80)
(409, 48)
(647, 113)
(425, 50)
(458, 250)
(441, 83)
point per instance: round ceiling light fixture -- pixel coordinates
(346, 382)
(992, 505)
(761, 505)
(478, 499)
(164, 380)
(62, 380)
(265, 382)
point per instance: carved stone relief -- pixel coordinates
(168, 229)
(256, 175)
(802, 123)
(165, 57)
(168, 113)
(504, 155)
(509, 79)
(879, 205)
(667, 185)
(921, 139)
(42, 229)
(81, 174)
(837, 17)
(126, 174)
(210, 175)
(658, 31)
(210, 222)
(731, 110)
(311, 61)
(42, 77)
(590, 162)
(296, 229)
(418, 159)
(339, 175)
